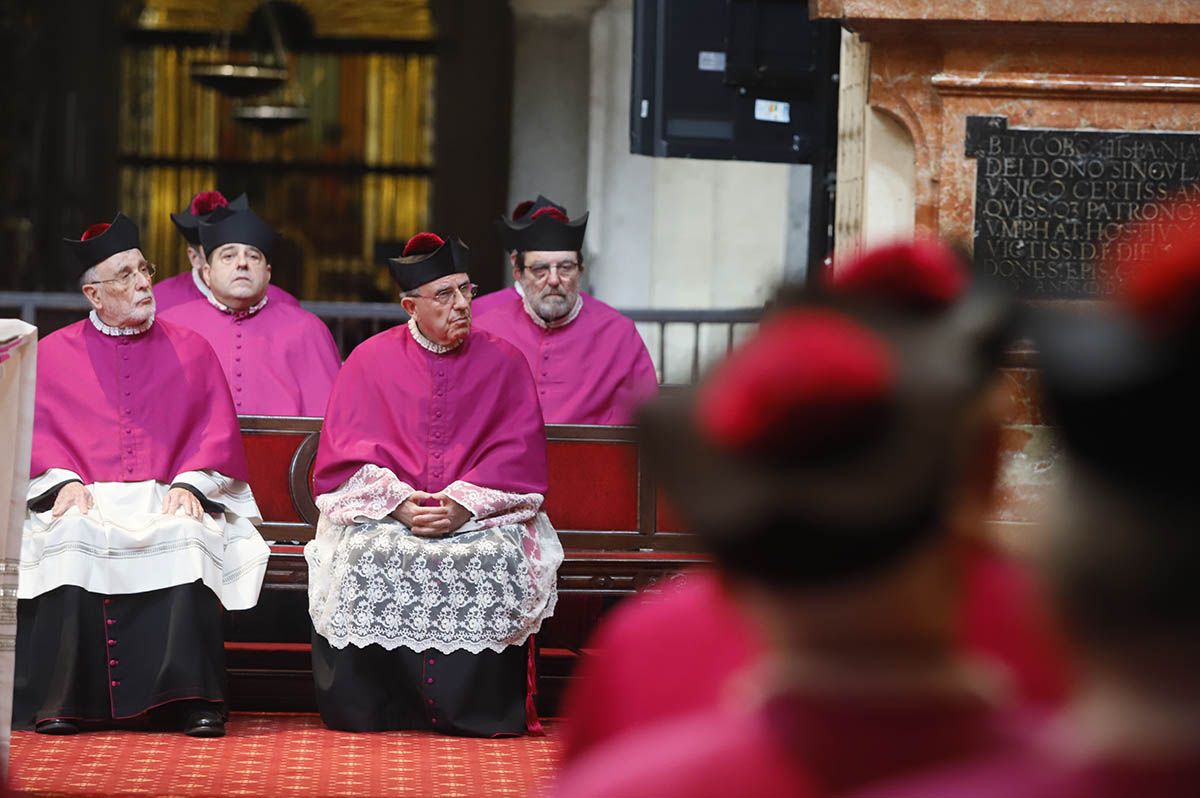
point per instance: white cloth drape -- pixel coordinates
(18, 360)
(124, 544)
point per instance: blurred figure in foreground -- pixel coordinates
(1121, 552)
(837, 465)
(660, 656)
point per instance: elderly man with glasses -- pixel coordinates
(433, 563)
(589, 362)
(280, 359)
(141, 524)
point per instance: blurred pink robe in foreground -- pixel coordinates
(1040, 772)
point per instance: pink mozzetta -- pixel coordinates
(470, 414)
(280, 361)
(133, 408)
(593, 370)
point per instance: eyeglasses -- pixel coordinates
(126, 277)
(566, 269)
(446, 295)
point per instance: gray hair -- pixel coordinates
(88, 276)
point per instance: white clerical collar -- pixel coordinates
(117, 332)
(204, 290)
(419, 337)
(552, 325)
(250, 311)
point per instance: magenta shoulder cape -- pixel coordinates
(133, 408)
(471, 414)
(279, 362)
(595, 370)
(182, 288)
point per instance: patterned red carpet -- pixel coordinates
(279, 756)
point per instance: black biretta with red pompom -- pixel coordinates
(101, 241)
(226, 226)
(544, 227)
(522, 213)
(427, 257)
(198, 211)
(829, 443)
(1122, 383)
(921, 274)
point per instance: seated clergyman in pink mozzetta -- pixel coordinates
(280, 359)
(432, 563)
(190, 285)
(141, 524)
(520, 213)
(590, 364)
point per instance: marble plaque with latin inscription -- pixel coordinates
(1051, 205)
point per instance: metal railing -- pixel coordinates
(682, 342)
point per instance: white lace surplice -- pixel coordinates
(487, 587)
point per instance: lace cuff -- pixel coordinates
(494, 507)
(372, 493)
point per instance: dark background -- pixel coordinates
(59, 135)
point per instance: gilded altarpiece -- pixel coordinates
(358, 172)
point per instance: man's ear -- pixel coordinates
(516, 270)
(409, 304)
(93, 295)
(204, 273)
(268, 272)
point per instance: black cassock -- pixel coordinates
(88, 657)
(374, 689)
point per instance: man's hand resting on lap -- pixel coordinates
(431, 522)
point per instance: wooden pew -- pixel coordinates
(616, 531)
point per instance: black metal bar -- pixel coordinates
(706, 315)
(695, 351)
(662, 350)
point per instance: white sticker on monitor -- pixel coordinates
(711, 61)
(772, 111)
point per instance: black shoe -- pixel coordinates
(204, 723)
(56, 726)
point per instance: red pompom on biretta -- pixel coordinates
(423, 244)
(206, 202)
(94, 230)
(924, 274)
(808, 379)
(521, 209)
(553, 213)
(1157, 273)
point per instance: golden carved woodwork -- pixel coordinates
(396, 19)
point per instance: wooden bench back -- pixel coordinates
(601, 497)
